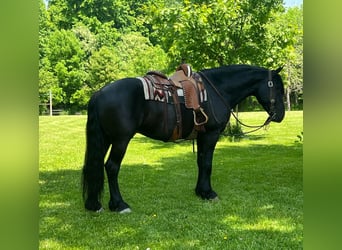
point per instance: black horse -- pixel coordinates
(119, 110)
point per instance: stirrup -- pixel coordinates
(200, 111)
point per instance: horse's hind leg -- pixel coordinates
(112, 166)
(93, 177)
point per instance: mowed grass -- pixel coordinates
(258, 180)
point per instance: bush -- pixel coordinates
(234, 132)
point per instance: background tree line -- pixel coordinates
(84, 45)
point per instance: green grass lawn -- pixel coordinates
(258, 180)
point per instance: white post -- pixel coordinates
(50, 102)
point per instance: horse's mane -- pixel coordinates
(233, 67)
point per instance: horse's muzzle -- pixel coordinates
(277, 116)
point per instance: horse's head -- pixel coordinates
(270, 95)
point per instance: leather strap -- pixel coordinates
(177, 131)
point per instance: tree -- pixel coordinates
(86, 38)
(210, 33)
(137, 55)
(106, 35)
(295, 61)
(47, 80)
(66, 13)
(65, 61)
(102, 68)
(214, 33)
(132, 55)
(285, 33)
(86, 44)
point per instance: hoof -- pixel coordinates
(100, 210)
(216, 199)
(121, 207)
(125, 211)
(207, 195)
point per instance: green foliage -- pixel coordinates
(103, 66)
(133, 37)
(106, 35)
(64, 46)
(48, 81)
(65, 13)
(210, 34)
(233, 131)
(63, 70)
(133, 55)
(137, 55)
(86, 38)
(259, 182)
(76, 62)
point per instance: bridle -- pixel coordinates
(272, 100)
(272, 94)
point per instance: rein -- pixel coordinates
(256, 127)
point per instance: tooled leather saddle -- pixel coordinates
(182, 82)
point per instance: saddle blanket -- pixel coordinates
(162, 94)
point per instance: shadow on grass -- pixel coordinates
(260, 207)
(162, 145)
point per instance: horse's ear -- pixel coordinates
(279, 69)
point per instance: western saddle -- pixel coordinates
(192, 86)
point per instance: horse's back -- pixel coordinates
(120, 105)
(125, 86)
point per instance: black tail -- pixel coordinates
(93, 169)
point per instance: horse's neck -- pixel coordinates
(237, 91)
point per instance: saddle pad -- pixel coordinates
(153, 93)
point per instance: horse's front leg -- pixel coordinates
(206, 143)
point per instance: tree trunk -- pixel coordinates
(237, 113)
(288, 99)
(288, 89)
